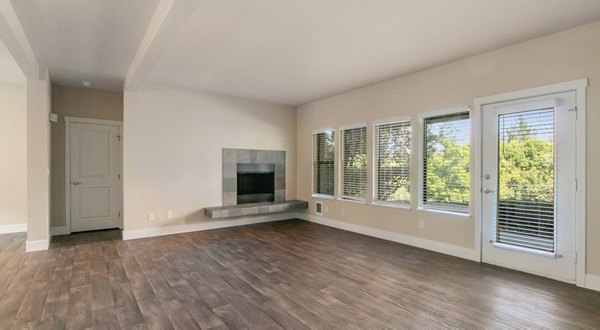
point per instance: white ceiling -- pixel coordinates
(10, 73)
(284, 51)
(293, 52)
(93, 40)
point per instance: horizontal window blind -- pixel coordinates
(526, 208)
(446, 162)
(323, 163)
(392, 162)
(354, 163)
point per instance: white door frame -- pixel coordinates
(579, 86)
(80, 120)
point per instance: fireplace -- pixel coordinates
(256, 175)
(255, 183)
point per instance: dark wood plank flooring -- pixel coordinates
(290, 274)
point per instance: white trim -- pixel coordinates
(453, 250)
(353, 126)
(444, 112)
(476, 174)
(446, 212)
(83, 120)
(41, 245)
(323, 130)
(420, 155)
(16, 228)
(592, 282)
(322, 196)
(351, 199)
(573, 85)
(579, 86)
(392, 120)
(172, 230)
(405, 206)
(80, 120)
(57, 231)
(580, 203)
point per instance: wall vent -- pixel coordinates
(319, 208)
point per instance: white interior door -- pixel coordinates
(95, 177)
(528, 185)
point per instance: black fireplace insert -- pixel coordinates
(255, 183)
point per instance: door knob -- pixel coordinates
(75, 183)
(487, 191)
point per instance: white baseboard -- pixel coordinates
(444, 248)
(215, 224)
(17, 228)
(56, 231)
(592, 282)
(31, 246)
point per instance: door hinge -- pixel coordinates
(575, 257)
(119, 176)
(576, 185)
(119, 137)
(119, 214)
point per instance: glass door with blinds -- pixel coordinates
(528, 185)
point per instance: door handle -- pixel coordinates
(487, 191)
(75, 183)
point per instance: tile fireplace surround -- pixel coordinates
(231, 157)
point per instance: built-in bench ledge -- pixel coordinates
(218, 212)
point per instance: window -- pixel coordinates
(392, 162)
(354, 163)
(323, 163)
(446, 162)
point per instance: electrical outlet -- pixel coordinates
(421, 224)
(169, 214)
(151, 216)
(343, 211)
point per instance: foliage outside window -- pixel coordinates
(392, 162)
(446, 162)
(354, 163)
(526, 214)
(323, 163)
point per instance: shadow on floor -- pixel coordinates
(87, 237)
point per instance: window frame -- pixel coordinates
(375, 161)
(315, 194)
(421, 162)
(340, 166)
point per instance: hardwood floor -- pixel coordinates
(290, 274)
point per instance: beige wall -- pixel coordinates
(172, 150)
(565, 56)
(39, 95)
(13, 145)
(75, 102)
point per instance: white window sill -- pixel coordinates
(392, 205)
(356, 201)
(453, 213)
(322, 196)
